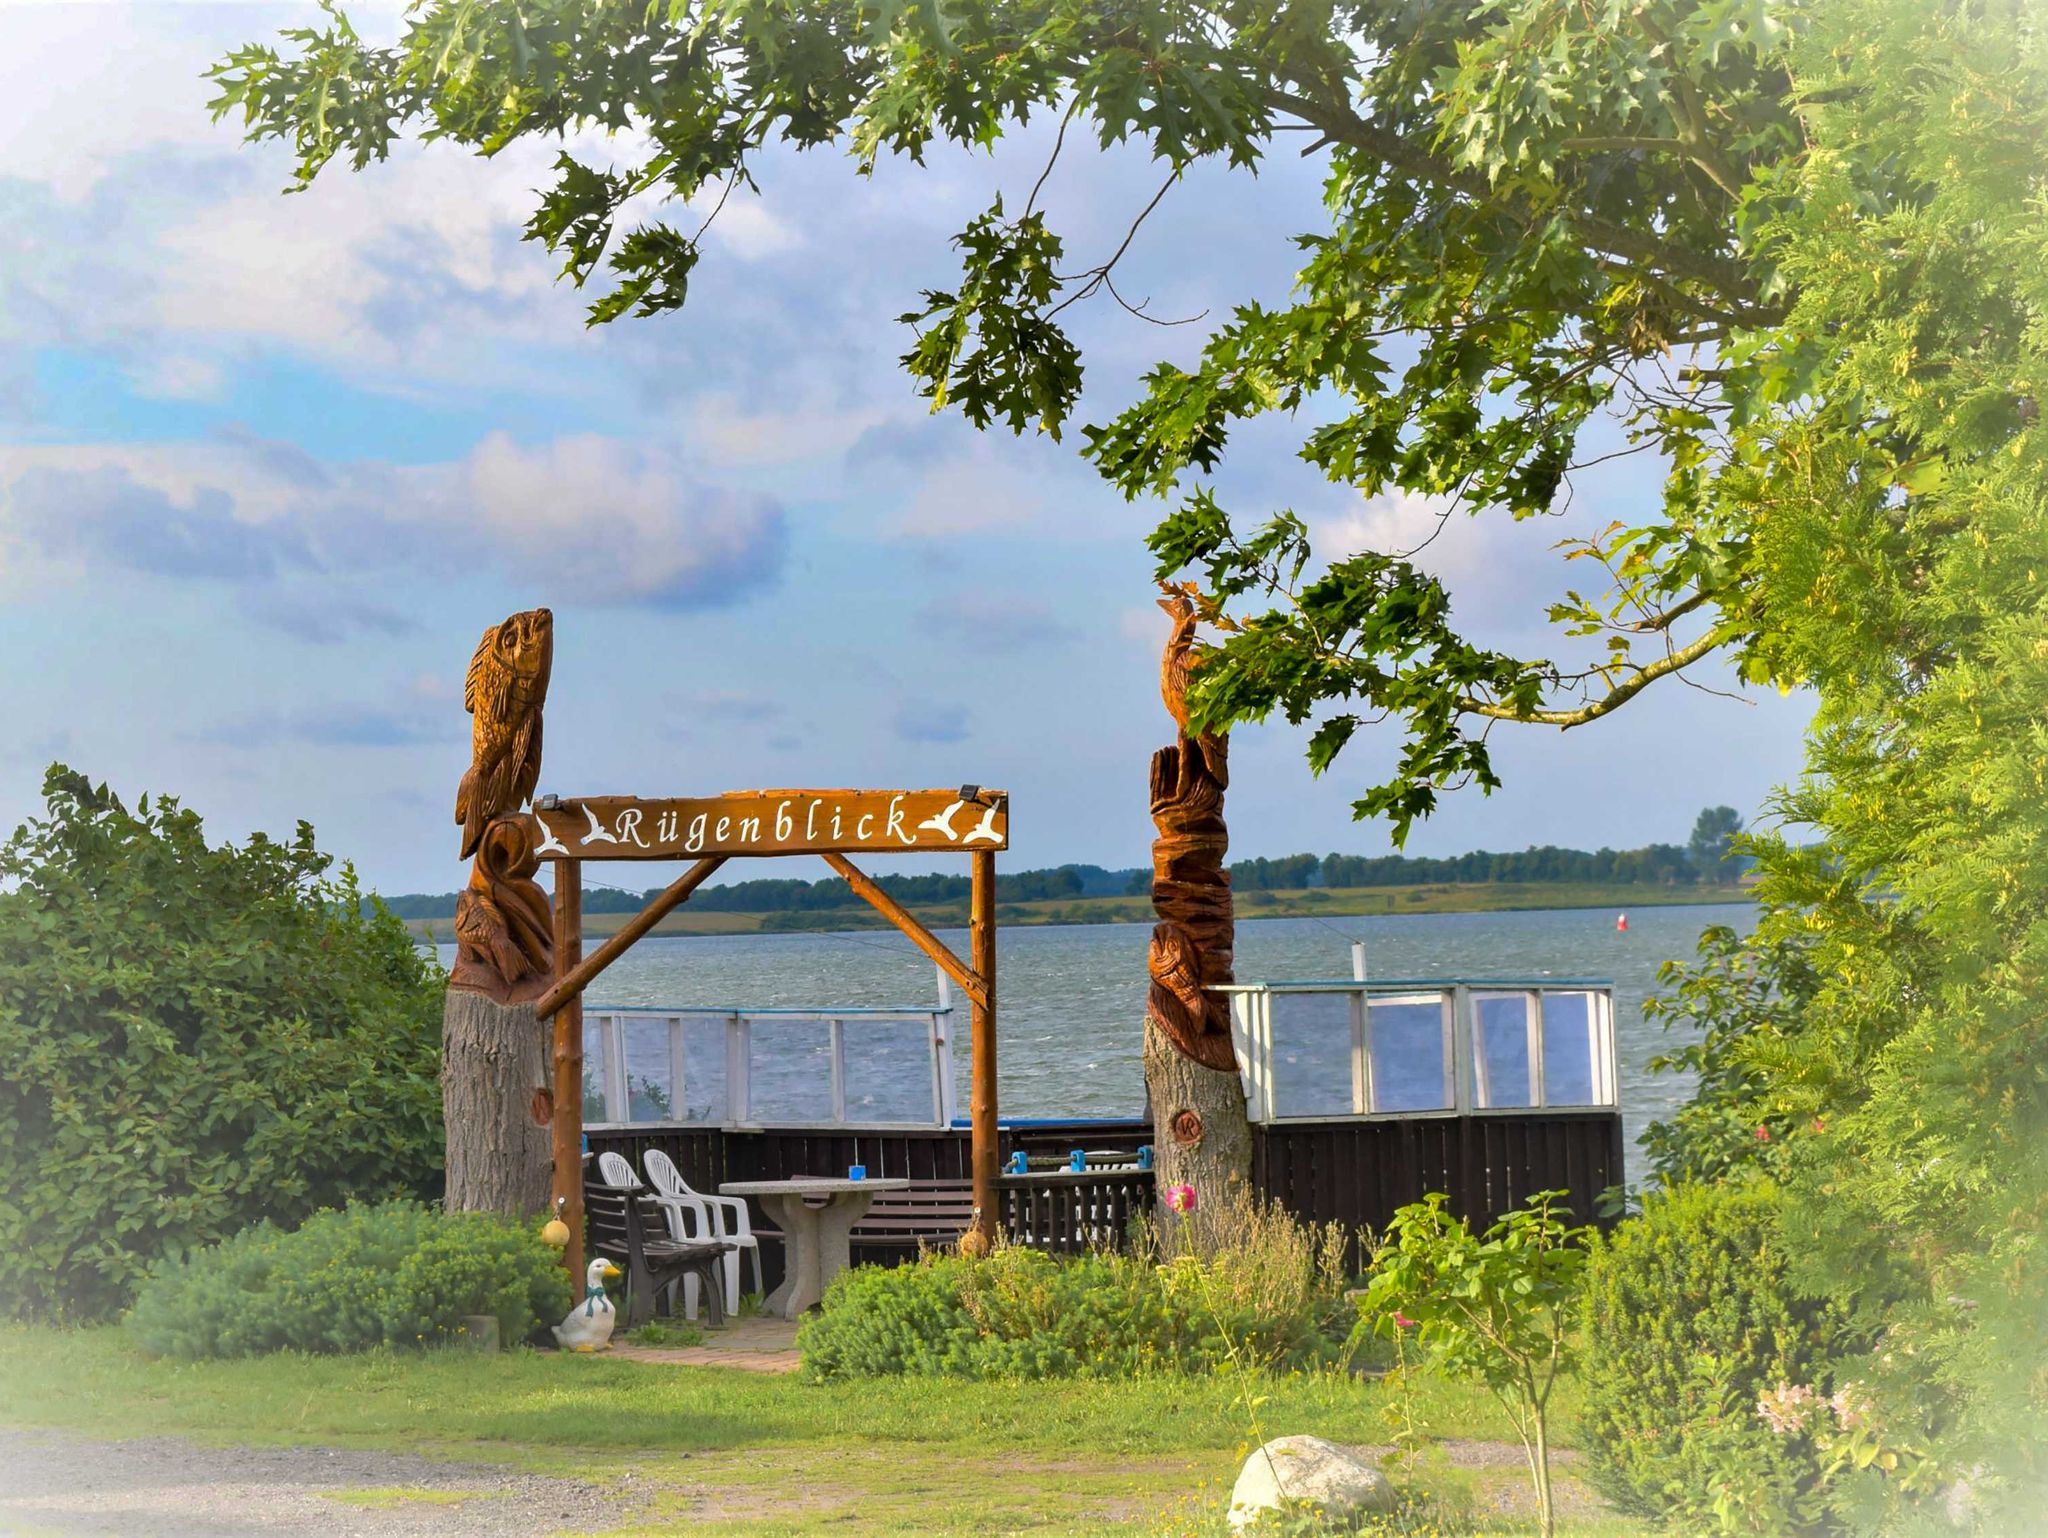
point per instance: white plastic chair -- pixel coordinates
(684, 1215)
(727, 1216)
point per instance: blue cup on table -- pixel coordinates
(856, 1172)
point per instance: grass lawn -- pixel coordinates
(729, 1452)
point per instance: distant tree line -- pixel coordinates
(1706, 859)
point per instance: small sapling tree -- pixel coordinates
(1493, 1309)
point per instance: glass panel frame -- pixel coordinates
(1492, 1053)
(1287, 1096)
(798, 1099)
(857, 1060)
(1378, 1084)
(1568, 1043)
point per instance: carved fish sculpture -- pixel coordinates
(506, 687)
(1178, 659)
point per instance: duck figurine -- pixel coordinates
(588, 1326)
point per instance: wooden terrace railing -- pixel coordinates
(1069, 1213)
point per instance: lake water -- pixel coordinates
(1071, 998)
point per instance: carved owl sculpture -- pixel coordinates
(506, 687)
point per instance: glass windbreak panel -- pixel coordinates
(650, 1072)
(1408, 1054)
(1568, 1043)
(886, 1066)
(594, 1106)
(704, 1069)
(789, 1069)
(1312, 1054)
(1500, 1050)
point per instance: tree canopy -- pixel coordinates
(1713, 832)
(1560, 208)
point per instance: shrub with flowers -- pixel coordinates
(1711, 1377)
(1274, 1299)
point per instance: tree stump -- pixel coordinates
(495, 1104)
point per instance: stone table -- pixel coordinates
(815, 1214)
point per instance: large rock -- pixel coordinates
(1307, 1469)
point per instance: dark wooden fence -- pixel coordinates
(1359, 1173)
(1347, 1171)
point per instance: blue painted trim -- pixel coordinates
(1375, 984)
(1055, 1121)
(828, 1011)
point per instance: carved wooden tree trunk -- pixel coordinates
(496, 1100)
(1201, 1134)
(494, 1082)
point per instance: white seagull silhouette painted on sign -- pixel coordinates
(985, 830)
(943, 823)
(597, 834)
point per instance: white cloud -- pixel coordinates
(726, 433)
(1430, 528)
(970, 494)
(607, 521)
(582, 517)
(178, 376)
(747, 228)
(992, 622)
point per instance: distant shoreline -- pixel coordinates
(1311, 902)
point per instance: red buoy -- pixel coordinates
(1621, 924)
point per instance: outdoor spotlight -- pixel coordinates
(970, 793)
(547, 803)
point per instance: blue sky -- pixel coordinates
(269, 465)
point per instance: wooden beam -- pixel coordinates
(981, 1100)
(967, 977)
(571, 983)
(567, 1191)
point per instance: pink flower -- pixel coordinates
(1852, 1411)
(1181, 1198)
(1402, 1321)
(1763, 1134)
(1788, 1408)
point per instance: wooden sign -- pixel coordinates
(770, 822)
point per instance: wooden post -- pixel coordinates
(567, 1203)
(981, 1104)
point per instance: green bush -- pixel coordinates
(191, 1039)
(1689, 1320)
(397, 1273)
(1020, 1313)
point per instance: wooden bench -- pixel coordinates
(626, 1227)
(931, 1213)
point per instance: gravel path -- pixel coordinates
(164, 1487)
